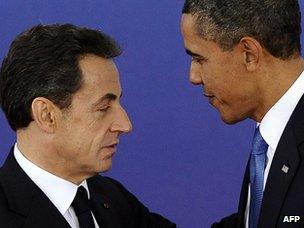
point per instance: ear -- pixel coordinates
(252, 52)
(44, 114)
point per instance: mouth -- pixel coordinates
(111, 145)
(111, 148)
(208, 95)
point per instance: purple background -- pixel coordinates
(180, 159)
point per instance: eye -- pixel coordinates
(104, 109)
(199, 60)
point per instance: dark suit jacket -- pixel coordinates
(23, 204)
(284, 192)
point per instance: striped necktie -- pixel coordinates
(257, 167)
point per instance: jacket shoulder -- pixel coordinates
(7, 217)
(129, 206)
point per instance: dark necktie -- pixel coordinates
(257, 167)
(82, 210)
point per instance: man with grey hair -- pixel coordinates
(246, 55)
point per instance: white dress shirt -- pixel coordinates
(60, 192)
(273, 125)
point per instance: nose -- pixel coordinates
(195, 76)
(121, 123)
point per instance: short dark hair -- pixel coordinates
(276, 24)
(43, 62)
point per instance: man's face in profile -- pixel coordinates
(226, 83)
(89, 130)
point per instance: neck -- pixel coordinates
(44, 156)
(277, 77)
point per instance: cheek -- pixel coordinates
(230, 83)
(238, 98)
(79, 141)
(97, 137)
(90, 134)
(215, 74)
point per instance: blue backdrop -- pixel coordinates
(181, 160)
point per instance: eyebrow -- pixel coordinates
(107, 97)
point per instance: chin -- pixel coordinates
(105, 167)
(230, 119)
(231, 116)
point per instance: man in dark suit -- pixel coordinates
(246, 55)
(60, 91)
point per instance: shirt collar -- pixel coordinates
(275, 120)
(60, 191)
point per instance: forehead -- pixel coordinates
(193, 42)
(96, 69)
(99, 73)
(188, 26)
(100, 76)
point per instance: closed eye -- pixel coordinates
(104, 109)
(199, 60)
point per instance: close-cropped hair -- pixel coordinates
(275, 24)
(43, 62)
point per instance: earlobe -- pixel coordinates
(252, 51)
(43, 114)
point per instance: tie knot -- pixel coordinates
(81, 202)
(259, 146)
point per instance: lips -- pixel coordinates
(110, 149)
(111, 145)
(208, 95)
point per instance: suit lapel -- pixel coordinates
(103, 207)
(279, 180)
(26, 199)
(44, 214)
